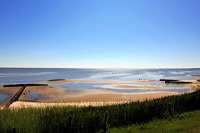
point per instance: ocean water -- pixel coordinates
(30, 75)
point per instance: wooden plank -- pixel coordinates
(18, 85)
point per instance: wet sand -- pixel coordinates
(9, 91)
(58, 96)
(48, 92)
(105, 81)
(131, 86)
(196, 76)
(94, 81)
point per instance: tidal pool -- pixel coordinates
(72, 90)
(34, 95)
(3, 97)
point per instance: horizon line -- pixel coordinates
(104, 67)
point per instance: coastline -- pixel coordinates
(93, 100)
(93, 81)
(59, 96)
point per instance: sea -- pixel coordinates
(30, 75)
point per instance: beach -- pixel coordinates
(48, 96)
(92, 100)
(92, 87)
(7, 92)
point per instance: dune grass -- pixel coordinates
(185, 123)
(95, 119)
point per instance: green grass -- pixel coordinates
(29, 119)
(92, 119)
(184, 123)
(56, 79)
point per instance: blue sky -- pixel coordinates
(100, 33)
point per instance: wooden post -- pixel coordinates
(69, 125)
(14, 130)
(105, 122)
(126, 115)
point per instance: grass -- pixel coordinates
(185, 123)
(56, 79)
(198, 80)
(95, 119)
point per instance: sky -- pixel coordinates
(100, 33)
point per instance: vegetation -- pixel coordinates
(95, 119)
(186, 122)
(56, 79)
(195, 75)
(198, 80)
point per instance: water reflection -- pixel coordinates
(146, 90)
(144, 87)
(34, 95)
(3, 97)
(72, 90)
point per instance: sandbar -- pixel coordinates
(133, 86)
(93, 81)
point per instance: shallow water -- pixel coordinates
(78, 86)
(146, 90)
(3, 97)
(98, 85)
(72, 90)
(34, 95)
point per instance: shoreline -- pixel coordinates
(94, 81)
(87, 98)
(93, 100)
(60, 96)
(106, 81)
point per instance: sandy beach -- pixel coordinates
(59, 96)
(92, 100)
